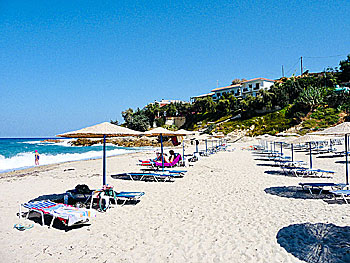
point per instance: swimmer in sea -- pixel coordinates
(37, 156)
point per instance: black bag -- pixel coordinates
(82, 189)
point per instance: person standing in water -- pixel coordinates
(37, 156)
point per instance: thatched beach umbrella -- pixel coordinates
(307, 139)
(102, 130)
(341, 129)
(183, 132)
(162, 132)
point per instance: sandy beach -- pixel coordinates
(223, 210)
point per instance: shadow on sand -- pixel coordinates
(315, 243)
(296, 192)
(127, 176)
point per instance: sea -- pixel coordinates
(18, 153)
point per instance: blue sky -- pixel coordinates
(66, 65)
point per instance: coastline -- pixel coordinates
(47, 167)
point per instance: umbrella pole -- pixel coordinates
(206, 146)
(292, 153)
(183, 150)
(274, 146)
(310, 155)
(346, 159)
(161, 151)
(104, 160)
(281, 149)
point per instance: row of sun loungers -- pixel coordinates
(298, 169)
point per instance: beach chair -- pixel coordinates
(314, 173)
(67, 214)
(343, 193)
(321, 187)
(176, 162)
(104, 197)
(128, 196)
(156, 176)
(292, 170)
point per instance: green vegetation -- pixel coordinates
(310, 101)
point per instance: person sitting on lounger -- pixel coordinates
(171, 158)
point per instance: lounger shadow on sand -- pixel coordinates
(146, 177)
(314, 243)
(296, 192)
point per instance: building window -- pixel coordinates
(250, 86)
(219, 94)
(257, 86)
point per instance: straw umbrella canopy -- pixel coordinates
(183, 132)
(341, 129)
(307, 139)
(102, 130)
(287, 134)
(163, 132)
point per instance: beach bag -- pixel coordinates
(82, 189)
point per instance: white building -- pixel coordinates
(167, 102)
(248, 87)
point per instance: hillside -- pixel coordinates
(308, 102)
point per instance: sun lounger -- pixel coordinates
(67, 214)
(156, 176)
(292, 170)
(314, 173)
(321, 186)
(288, 163)
(176, 162)
(128, 196)
(343, 193)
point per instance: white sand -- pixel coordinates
(219, 212)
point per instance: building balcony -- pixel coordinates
(256, 88)
(246, 90)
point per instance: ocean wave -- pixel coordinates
(26, 159)
(31, 142)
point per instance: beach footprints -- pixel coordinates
(316, 242)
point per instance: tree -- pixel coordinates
(127, 115)
(116, 122)
(223, 106)
(205, 104)
(237, 81)
(310, 98)
(151, 111)
(139, 121)
(344, 75)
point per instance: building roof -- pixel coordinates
(227, 87)
(250, 80)
(204, 95)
